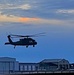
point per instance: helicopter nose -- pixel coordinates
(35, 43)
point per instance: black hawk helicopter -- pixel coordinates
(25, 41)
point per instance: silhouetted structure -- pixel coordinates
(11, 66)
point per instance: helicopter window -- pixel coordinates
(31, 41)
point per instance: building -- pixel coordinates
(27, 66)
(11, 66)
(53, 64)
(72, 66)
(8, 64)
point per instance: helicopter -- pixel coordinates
(24, 41)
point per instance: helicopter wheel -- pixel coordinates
(33, 45)
(14, 47)
(27, 46)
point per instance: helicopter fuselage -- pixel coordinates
(22, 42)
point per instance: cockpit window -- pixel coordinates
(30, 41)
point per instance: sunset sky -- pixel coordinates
(55, 18)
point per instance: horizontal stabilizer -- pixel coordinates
(7, 43)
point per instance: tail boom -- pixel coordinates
(7, 43)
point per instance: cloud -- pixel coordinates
(64, 11)
(12, 18)
(25, 7)
(12, 6)
(40, 21)
(34, 20)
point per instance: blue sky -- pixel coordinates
(26, 17)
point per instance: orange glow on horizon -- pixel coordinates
(28, 19)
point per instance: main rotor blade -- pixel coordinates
(35, 35)
(39, 34)
(19, 35)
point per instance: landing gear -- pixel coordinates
(33, 45)
(27, 46)
(14, 47)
